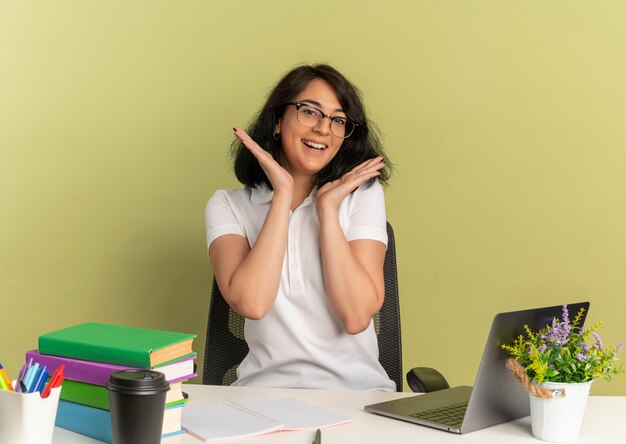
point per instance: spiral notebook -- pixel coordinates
(226, 419)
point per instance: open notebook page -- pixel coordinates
(223, 420)
(297, 415)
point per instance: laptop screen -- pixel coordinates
(497, 396)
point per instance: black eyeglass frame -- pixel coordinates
(299, 105)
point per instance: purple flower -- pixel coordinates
(542, 348)
(598, 345)
(565, 332)
(565, 314)
(619, 347)
(558, 333)
(581, 357)
(584, 347)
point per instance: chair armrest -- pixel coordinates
(426, 379)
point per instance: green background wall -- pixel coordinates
(505, 120)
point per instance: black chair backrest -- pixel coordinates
(226, 347)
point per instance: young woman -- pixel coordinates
(299, 250)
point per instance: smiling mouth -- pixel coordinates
(315, 145)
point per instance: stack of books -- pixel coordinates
(92, 351)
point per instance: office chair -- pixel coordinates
(225, 346)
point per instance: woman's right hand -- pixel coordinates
(281, 180)
(249, 275)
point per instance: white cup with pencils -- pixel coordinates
(27, 416)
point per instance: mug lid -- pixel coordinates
(137, 380)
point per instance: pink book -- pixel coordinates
(98, 373)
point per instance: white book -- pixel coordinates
(225, 420)
(172, 420)
(175, 393)
(179, 370)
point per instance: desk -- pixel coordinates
(603, 420)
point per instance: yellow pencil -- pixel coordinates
(5, 382)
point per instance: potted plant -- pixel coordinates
(557, 365)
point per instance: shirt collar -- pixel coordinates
(262, 195)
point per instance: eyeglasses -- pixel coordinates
(310, 116)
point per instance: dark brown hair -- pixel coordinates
(363, 144)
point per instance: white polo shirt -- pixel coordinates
(300, 343)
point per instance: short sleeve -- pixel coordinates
(220, 217)
(367, 216)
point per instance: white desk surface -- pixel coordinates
(604, 418)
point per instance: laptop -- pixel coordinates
(496, 397)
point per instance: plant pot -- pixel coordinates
(559, 419)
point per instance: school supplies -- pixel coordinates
(318, 437)
(40, 380)
(32, 378)
(226, 419)
(29, 377)
(5, 382)
(26, 415)
(91, 352)
(131, 346)
(27, 418)
(55, 381)
(96, 423)
(97, 396)
(98, 373)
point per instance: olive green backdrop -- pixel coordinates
(505, 120)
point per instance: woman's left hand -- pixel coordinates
(331, 194)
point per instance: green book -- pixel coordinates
(86, 394)
(113, 344)
(97, 396)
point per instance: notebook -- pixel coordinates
(226, 419)
(496, 397)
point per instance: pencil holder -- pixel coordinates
(27, 418)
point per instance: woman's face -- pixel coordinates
(307, 150)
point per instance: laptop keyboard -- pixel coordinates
(450, 415)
